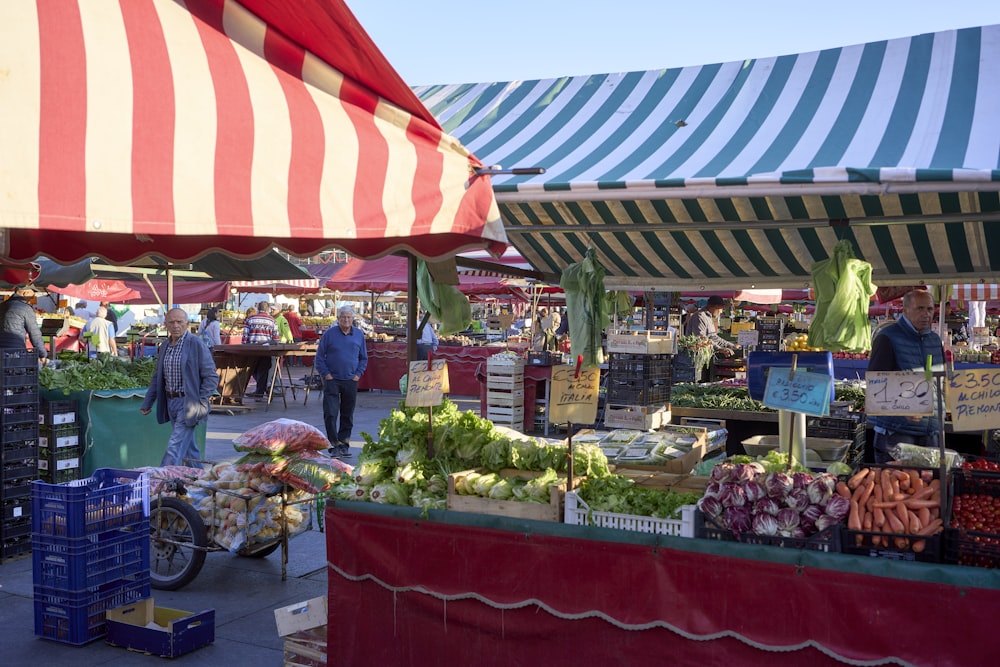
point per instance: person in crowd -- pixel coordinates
(260, 329)
(704, 323)
(294, 322)
(112, 316)
(427, 342)
(284, 331)
(17, 320)
(82, 311)
(210, 330)
(904, 346)
(543, 330)
(563, 328)
(341, 360)
(182, 385)
(103, 338)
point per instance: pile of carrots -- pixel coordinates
(893, 501)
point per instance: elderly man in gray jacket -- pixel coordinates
(182, 385)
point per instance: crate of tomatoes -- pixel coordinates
(974, 534)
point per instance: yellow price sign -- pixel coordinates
(426, 387)
(572, 398)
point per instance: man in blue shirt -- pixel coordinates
(341, 360)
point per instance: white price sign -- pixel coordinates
(899, 393)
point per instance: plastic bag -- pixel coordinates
(924, 457)
(281, 436)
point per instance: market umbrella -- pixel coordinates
(178, 129)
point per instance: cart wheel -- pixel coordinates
(261, 553)
(177, 544)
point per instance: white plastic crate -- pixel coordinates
(577, 512)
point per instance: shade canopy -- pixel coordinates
(182, 128)
(140, 292)
(742, 175)
(390, 274)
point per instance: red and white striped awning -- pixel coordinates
(292, 286)
(976, 293)
(159, 127)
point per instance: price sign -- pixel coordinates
(506, 319)
(747, 338)
(802, 391)
(426, 388)
(973, 398)
(574, 399)
(898, 393)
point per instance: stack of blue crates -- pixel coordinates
(89, 550)
(18, 448)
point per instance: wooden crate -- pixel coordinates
(552, 511)
(506, 398)
(642, 343)
(640, 417)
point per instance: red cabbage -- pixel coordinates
(765, 524)
(838, 507)
(737, 519)
(710, 506)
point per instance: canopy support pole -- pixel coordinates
(411, 307)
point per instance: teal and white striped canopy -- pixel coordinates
(744, 174)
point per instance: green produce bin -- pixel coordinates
(114, 434)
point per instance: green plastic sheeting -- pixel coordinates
(113, 434)
(586, 308)
(843, 287)
(444, 302)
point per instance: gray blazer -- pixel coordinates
(199, 377)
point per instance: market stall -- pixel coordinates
(529, 588)
(235, 363)
(387, 363)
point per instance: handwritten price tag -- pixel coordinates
(574, 399)
(803, 391)
(747, 338)
(426, 388)
(898, 393)
(973, 398)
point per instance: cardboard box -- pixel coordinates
(682, 464)
(639, 417)
(301, 616)
(182, 631)
(643, 343)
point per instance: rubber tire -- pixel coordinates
(262, 553)
(185, 524)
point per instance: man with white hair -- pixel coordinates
(341, 360)
(104, 332)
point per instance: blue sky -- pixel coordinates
(452, 41)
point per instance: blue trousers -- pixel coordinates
(339, 399)
(181, 444)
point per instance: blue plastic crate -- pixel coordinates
(108, 500)
(81, 563)
(79, 618)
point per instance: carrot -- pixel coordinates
(917, 504)
(931, 528)
(919, 545)
(915, 524)
(853, 516)
(924, 514)
(894, 485)
(935, 484)
(916, 483)
(894, 523)
(879, 519)
(843, 490)
(896, 497)
(902, 543)
(904, 515)
(866, 492)
(885, 505)
(922, 494)
(856, 478)
(913, 480)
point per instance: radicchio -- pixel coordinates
(800, 480)
(754, 491)
(712, 489)
(824, 522)
(720, 473)
(732, 495)
(778, 484)
(797, 499)
(819, 491)
(737, 519)
(838, 507)
(742, 473)
(808, 517)
(788, 519)
(710, 506)
(767, 506)
(765, 524)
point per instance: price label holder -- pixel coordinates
(573, 396)
(973, 398)
(899, 393)
(798, 391)
(747, 338)
(426, 387)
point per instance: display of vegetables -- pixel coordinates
(621, 495)
(889, 501)
(536, 489)
(745, 498)
(737, 397)
(75, 372)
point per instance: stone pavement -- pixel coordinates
(243, 591)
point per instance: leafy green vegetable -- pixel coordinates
(620, 495)
(105, 372)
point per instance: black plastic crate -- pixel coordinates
(860, 543)
(18, 358)
(19, 471)
(977, 472)
(19, 527)
(14, 434)
(57, 460)
(16, 454)
(683, 369)
(972, 548)
(19, 395)
(19, 414)
(60, 476)
(839, 428)
(636, 393)
(13, 489)
(967, 544)
(639, 379)
(15, 547)
(827, 540)
(57, 437)
(16, 509)
(55, 413)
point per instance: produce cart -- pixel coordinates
(191, 517)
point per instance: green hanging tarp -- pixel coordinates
(586, 308)
(843, 290)
(444, 302)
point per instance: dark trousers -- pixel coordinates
(422, 350)
(262, 374)
(883, 442)
(339, 399)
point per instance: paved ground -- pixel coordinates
(243, 591)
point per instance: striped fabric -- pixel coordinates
(976, 293)
(298, 286)
(176, 128)
(744, 174)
